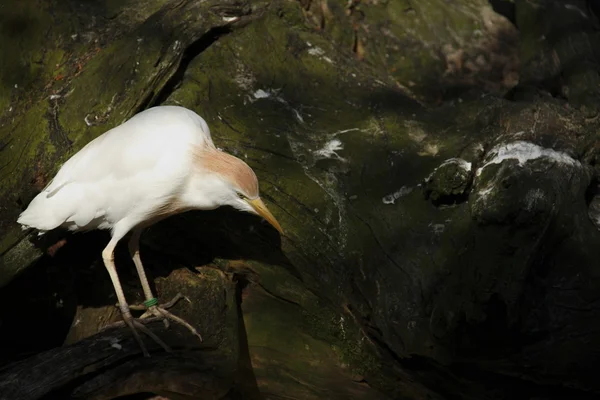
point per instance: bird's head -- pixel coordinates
(234, 183)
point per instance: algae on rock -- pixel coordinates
(374, 291)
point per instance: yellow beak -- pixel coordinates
(262, 210)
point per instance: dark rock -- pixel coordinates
(373, 292)
(449, 183)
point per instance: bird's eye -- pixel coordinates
(241, 196)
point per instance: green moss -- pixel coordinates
(345, 338)
(15, 260)
(318, 346)
(448, 182)
(11, 237)
(23, 147)
(278, 106)
(55, 61)
(316, 326)
(330, 195)
(406, 39)
(99, 84)
(299, 71)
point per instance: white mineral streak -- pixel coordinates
(330, 150)
(523, 152)
(391, 198)
(465, 165)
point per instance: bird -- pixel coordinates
(160, 162)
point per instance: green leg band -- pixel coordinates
(152, 302)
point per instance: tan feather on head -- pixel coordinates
(230, 167)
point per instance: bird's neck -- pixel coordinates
(227, 167)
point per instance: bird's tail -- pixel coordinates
(70, 206)
(36, 216)
(44, 213)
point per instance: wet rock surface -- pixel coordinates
(439, 244)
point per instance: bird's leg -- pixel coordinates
(151, 302)
(109, 262)
(174, 300)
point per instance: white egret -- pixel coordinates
(160, 162)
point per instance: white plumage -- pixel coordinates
(160, 162)
(148, 158)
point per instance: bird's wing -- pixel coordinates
(137, 145)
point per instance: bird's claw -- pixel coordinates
(153, 313)
(161, 313)
(134, 324)
(156, 312)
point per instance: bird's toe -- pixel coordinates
(167, 315)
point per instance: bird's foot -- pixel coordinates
(134, 324)
(155, 312)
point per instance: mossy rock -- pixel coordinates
(381, 284)
(449, 183)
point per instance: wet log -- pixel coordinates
(441, 220)
(109, 364)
